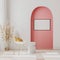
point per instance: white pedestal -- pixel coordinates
(31, 47)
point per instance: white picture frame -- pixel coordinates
(42, 24)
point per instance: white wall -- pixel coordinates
(20, 16)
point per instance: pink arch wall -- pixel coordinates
(43, 39)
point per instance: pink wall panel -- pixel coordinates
(43, 38)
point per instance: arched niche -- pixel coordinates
(42, 28)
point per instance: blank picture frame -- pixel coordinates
(42, 24)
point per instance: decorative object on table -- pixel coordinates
(17, 37)
(7, 33)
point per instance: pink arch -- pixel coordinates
(42, 13)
